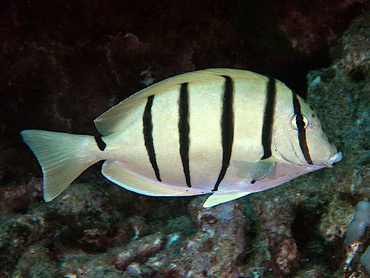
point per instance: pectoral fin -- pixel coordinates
(255, 170)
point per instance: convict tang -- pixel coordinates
(227, 132)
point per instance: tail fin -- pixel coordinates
(62, 156)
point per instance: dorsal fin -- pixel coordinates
(108, 121)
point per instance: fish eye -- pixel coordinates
(299, 121)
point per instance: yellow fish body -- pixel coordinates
(223, 131)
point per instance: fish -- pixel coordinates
(219, 131)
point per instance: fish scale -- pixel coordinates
(227, 132)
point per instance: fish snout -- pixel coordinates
(334, 158)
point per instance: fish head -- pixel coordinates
(301, 139)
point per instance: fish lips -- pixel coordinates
(334, 159)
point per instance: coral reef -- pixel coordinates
(276, 252)
(348, 80)
(355, 236)
(76, 227)
(62, 69)
(213, 251)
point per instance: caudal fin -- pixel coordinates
(62, 156)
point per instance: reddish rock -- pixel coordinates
(137, 251)
(215, 248)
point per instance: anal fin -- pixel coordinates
(115, 172)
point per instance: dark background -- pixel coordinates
(63, 63)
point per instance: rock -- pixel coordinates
(36, 262)
(215, 248)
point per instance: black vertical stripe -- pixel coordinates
(184, 130)
(301, 129)
(148, 135)
(268, 117)
(227, 128)
(101, 144)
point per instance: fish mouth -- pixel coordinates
(334, 158)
